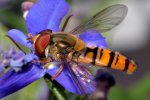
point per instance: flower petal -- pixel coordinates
(12, 81)
(19, 37)
(64, 78)
(93, 38)
(46, 14)
(29, 57)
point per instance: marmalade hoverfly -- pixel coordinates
(72, 53)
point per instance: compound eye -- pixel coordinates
(42, 42)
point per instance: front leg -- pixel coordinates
(43, 60)
(58, 72)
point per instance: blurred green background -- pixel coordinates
(128, 87)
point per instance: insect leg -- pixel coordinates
(58, 72)
(66, 22)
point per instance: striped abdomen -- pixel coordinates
(106, 58)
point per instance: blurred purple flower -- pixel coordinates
(45, 14)
(104, 81)
(13, 59)
(5, 3)
(25, 8)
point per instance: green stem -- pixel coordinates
(54, 90)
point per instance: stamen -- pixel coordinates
(30, 37)
(11, 59)
(15, 43)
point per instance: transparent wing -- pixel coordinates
(83, 79)
(104, 20)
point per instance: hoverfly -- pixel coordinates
(72, 53)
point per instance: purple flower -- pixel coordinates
(45, 14)
(13, 59)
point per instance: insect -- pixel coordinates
(72, 53)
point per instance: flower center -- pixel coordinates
(11, 59)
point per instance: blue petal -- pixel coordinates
(93, 38)
(29, 57)
(65, 80)
(46, 14)
(16, 63)
(12, 81)
(19, 37)
(18, 55)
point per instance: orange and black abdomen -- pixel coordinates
(106, 58)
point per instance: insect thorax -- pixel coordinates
(63, 44)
